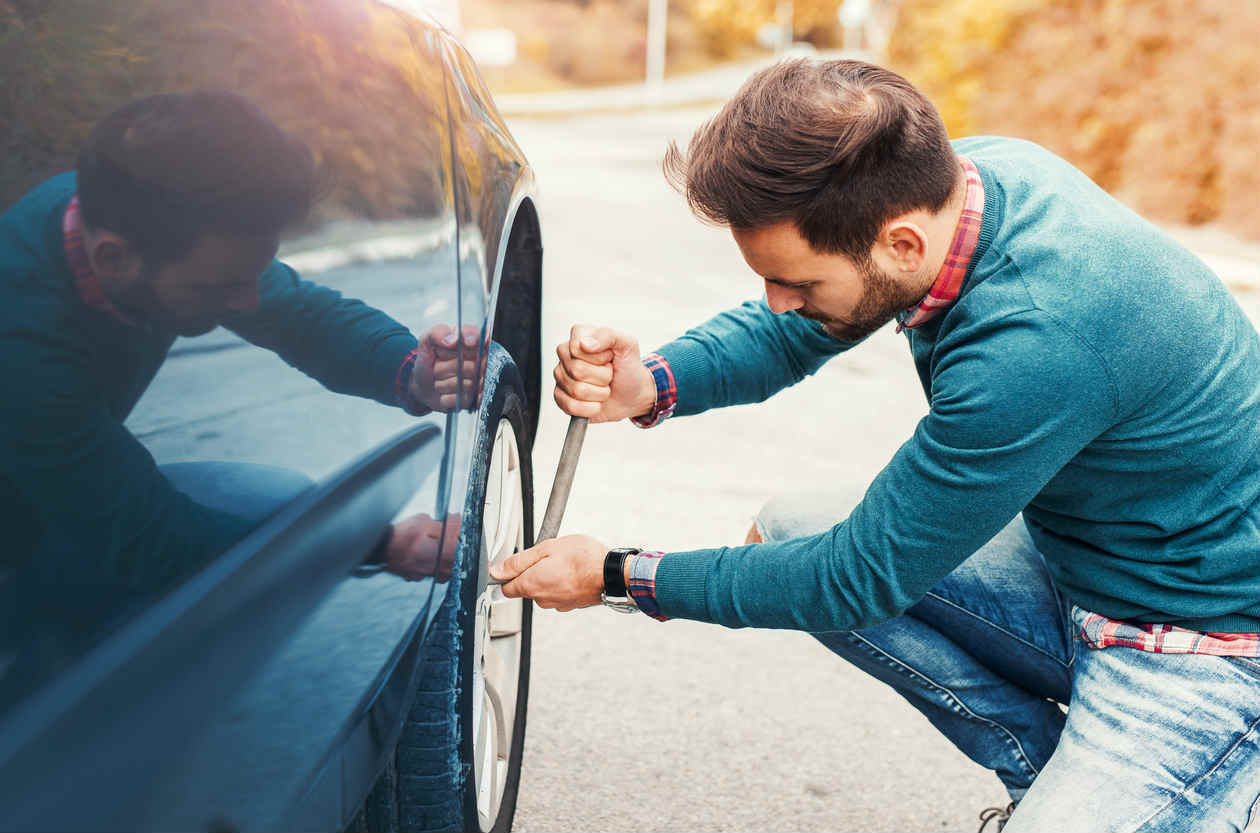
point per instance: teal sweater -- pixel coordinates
(1092, 374)
(75, 485)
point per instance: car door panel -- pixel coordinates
(301, 677)
(143, 732)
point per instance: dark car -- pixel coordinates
(307, 676)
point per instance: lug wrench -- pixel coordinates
(562, 485)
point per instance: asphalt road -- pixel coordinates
(639, 725)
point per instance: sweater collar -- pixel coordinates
(85, 280)
(949, 280)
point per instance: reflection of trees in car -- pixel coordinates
(485, 154)
(336, 86)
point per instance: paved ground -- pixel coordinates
(637, 725)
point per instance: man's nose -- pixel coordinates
(781, 299)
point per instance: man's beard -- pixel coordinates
(882, 298)
(140, 302)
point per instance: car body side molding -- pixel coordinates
(88, 750)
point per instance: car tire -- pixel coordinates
(435, 781)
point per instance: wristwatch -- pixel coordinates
(615, 593)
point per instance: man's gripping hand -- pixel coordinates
(601, 376)
(445, 377)
(562, 573)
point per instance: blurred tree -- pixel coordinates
(1157, 100)
(333, 73)
(729, 25)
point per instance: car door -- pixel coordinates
(262, 689)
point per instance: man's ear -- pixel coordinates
(904, 244)
(113, 259)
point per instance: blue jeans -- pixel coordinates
(1148, 742)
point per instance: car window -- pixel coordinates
(186, 370)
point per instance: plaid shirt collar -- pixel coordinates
(85, 281)
(950, 279)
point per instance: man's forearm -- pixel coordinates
(345, 344)
(745, 355)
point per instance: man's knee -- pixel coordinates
(753, 536)
(797, 515)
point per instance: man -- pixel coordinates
(169, 227)
(1077, 519)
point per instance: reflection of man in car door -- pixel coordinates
(169, 228)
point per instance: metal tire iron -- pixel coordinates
(562, 485)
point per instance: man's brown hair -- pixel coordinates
(836, 147)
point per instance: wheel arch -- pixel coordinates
(516, 317)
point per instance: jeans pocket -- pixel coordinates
(1253, 817)
(1250, 665)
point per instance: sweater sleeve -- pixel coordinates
(744, 355)
(116, 520)
(346, 345)
(1010, 407)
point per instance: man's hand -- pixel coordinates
(439, 380)
(601, 376)
(418, 550)
(562, 573)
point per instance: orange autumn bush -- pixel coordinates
(1157, 100)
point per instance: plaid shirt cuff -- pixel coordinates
(402, 386)
(643, 583)
(666, 392)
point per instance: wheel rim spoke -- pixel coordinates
(504, 517)
(510, 516)
(480, 738)
(489, 788)
(497, 661)
(505, 615)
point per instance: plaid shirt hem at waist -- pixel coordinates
(1100, 632)
(666, 392)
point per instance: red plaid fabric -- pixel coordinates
(1100, 632)
(402, 385)
(643, 583)
(666, 392)
(950, 279)
(88, 287)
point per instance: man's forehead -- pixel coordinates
(217, 246)
(775, 252)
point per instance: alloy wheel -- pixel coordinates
(498, 628)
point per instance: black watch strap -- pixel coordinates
(614, 571)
